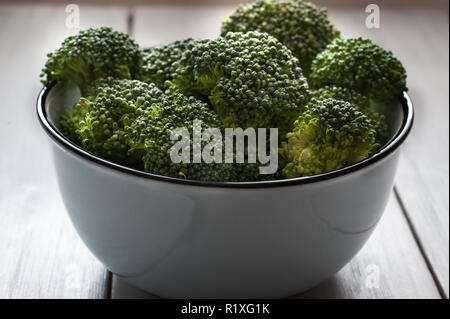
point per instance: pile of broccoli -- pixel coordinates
(277, 64)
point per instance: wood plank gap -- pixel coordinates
(130, 21)
(430, 267)
(108, 284)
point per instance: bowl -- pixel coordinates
(179, 238)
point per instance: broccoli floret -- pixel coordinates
(329, 135)
(70, 121)
(93, 54)
(98, 121)
(379, 123)
(301, 26)
(157, 66)
(151, 133)
(361, 103)
(251, 79)
(362, 66)
(130, 122)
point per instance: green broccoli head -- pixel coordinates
(157, 66)
(130, 122)
(93, 54)
(251, 79)
(361, 103)
(359, 65)
(99, 120)
(151, 133)
(301, 26)
(329, 135)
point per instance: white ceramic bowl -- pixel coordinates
(181, 238)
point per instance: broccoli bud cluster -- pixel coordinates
(359, 102)
(158, 63)
(251, 79)
(93, 54)
(360, 65)
(151, 132)
(303, 27)
(329, 135)
(100, 118)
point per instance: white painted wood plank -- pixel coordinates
(41, 256)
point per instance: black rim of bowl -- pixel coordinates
(394, 143)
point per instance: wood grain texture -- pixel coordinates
(41, 256)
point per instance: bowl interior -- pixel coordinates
(61, 98)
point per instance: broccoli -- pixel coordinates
(99, 119)
(70, 121)
(379, 124)
(329, 135)
(301, 26)
(93, 54)
(151, 133)
(157, 66)
(335, 92)
(130, 122)
(250, 79)
(361, 103)
(359, 65)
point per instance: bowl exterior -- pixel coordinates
(180, 241)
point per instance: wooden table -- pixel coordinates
(41, 256)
